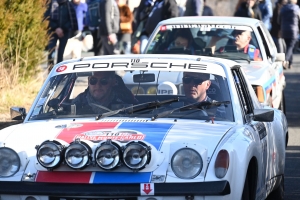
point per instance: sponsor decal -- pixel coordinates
(61, 68)
(105, 134)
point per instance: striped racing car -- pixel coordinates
(222, 37)
(167, 145)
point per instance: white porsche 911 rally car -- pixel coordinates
(259, 59)
(179, 143)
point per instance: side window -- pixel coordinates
(264, 42)
(242, 89)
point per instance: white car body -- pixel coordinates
(255, 149)
(266, 75)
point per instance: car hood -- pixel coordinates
(163, 136)
(257, 72)
(27, 135)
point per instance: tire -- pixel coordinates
(246, 190)
(278, 193)
(282, 103)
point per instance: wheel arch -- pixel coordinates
(252, 174)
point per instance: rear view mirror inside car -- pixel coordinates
(143, 78)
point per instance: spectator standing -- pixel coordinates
(207, 11)
(126, 18)
(109, 25)
(266, 10)
(250, 9)
(275, 29)
(194, 8)
(93, 24)
(81, 10)
(62, 25)
(289, 22)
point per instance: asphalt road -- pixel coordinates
(292, 97)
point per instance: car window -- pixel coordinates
(243, 91)
(136, 89)
(268, 37)
(197, 40)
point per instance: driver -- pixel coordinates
(195, 86)
(183, 39)
(241, 42)
(104, 89)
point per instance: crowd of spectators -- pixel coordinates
(116, 29)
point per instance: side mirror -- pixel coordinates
(17, 113)
(263, 115)
(280, 57)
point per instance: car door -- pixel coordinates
(276, 67)
(259, 129)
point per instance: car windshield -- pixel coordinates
(135, 94)
(224, 41)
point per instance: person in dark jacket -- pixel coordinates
(62, 25)
(194, 8)
(249, 9)
(109, 25)
(266, 10)
(275, 30)
(104, 90)
(162, 9)
(289, 23)
(207, 11)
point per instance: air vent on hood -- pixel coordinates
(124, 120)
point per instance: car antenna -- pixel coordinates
(137, 91)
(157, 84)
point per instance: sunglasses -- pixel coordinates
(189, 79)
(94, 81)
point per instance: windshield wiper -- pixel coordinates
(139, 107)
(198, 105)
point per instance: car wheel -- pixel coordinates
(282, 103)
(246, 193)
(278, 193)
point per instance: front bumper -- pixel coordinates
(214, 188)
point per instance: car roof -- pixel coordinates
(211, 20)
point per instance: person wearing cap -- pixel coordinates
(104, 90)
(240, 42)
(195, 86)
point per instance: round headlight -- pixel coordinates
(136, 155)
(137, 90)
(9, 162)
(78, 155)
(186, 163)
(107, 155)
(49, 154)
(151, 90)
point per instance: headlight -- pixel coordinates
(136, 155)
(49, 154)
(137, 90)
(186, 163)
(9, 162)
(78, 155)
(107, 155)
